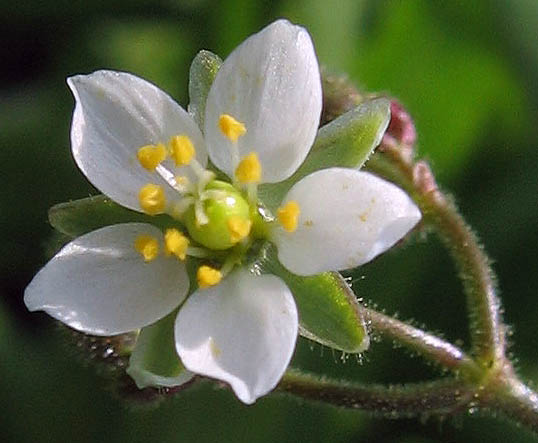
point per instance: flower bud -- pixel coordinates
(401, 127)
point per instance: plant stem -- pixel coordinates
(497, 387)
(439, 397)
(514, 400)
(487, 330)
(428, 345)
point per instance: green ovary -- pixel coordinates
(216, 234)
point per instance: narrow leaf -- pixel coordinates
(348, 141)
(329, 312)
(79, 217)
(203, 70)
(154, 361)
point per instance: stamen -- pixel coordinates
(252, 193)
(152, 199)
(181, 149)
(249, 169)
(239, 228)
(288, 215)
(151, 155)
(198, 252)
(229, 264)
(166, 175)
(231, 128)
(208, 276)
(148, 247)
(176, 243)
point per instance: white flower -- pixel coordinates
(140, 148)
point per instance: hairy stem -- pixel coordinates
(517, 401)
(501, 392)
(428, 345)
(411, 400)
(487, 330)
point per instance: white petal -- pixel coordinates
(347, 218)
(242, 331)
(271, 83)
(99, 283)
(115, 114)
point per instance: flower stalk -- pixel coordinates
(441, 214)
(429, 346)
(439, 397)
(485, 379)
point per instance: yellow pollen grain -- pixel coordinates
(175, 243)
(148, 247)
(231, 128)
(288, 215)
(151, 155)
(208, 276)
(249, 169)
(239, 228)
(152, 199)
(181, 149)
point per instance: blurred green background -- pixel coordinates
(466, 70)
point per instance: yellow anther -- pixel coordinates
(175, 243)
(148, 246)
(288, 215)
(181, 149)
(239, 228)
(231, 128)
(151, 155)
(152, 199)
(208, 276)
(249, 169)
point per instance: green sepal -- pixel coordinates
(329, 312)
(79, 217)
(348, 141)
(154, 361)
(204, 68)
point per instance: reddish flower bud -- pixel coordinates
(401, 127)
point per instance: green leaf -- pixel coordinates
(203, 70)
(78, 217)
(346, 142)
(329, 312)
(154, 361)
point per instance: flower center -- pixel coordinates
(228, 217)
(218, 216)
